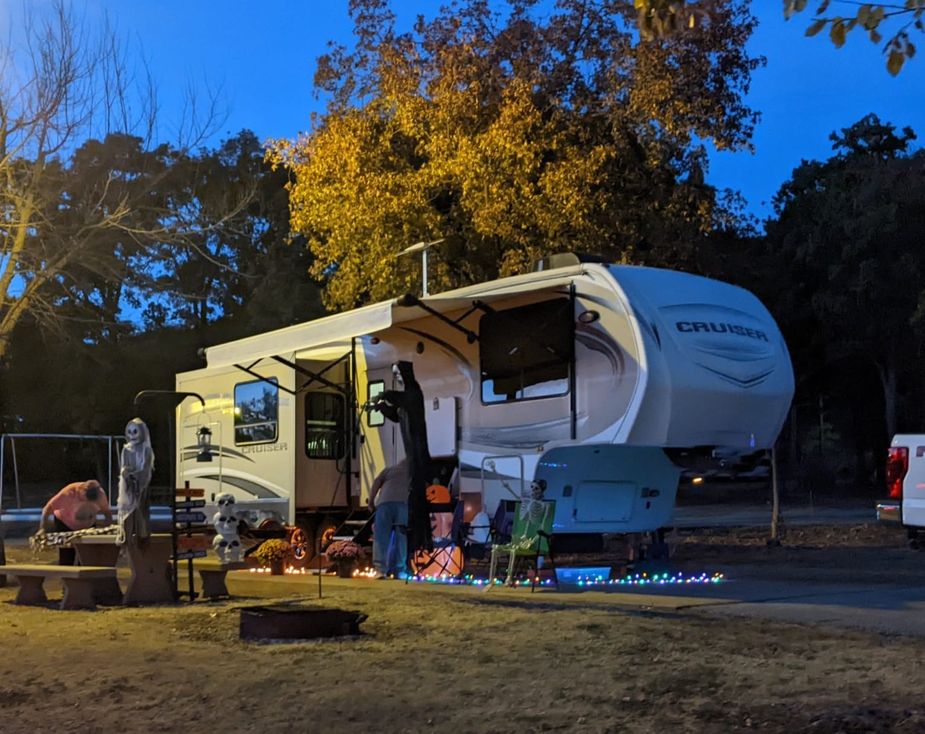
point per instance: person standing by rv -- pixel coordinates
(406, 407)
(388, 495)
(75, 507)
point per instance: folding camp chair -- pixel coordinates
(446, 558)
(530, 538)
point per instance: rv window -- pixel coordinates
(256, 411)
(526, 351)
(374, 417)
(324, 425)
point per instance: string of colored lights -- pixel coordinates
(637, 579)
(583, 581)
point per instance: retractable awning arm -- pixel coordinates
(410, 299)
(268, 380)
(315, 376)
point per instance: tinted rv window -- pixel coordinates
(526, 351)
(374, 417)
(256, 411)
(324, 425)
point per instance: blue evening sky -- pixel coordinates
(262, 55)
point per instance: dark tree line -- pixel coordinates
(841, 267)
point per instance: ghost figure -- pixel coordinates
(136, 464)
(227, 544)
(406, 407)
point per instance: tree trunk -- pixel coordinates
(887, 372)
(775, 501)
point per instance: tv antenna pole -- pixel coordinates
(421, 247)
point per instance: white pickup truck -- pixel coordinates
(905, 485)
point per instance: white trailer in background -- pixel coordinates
(587, 375)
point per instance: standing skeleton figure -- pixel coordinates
(136, 464)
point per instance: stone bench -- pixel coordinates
(212, 572)
(78, 583)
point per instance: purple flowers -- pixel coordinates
(342, 549)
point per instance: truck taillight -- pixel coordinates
(897, 464)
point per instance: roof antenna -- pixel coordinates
(422, 247)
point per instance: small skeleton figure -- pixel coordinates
(227, 544)
(136, 464)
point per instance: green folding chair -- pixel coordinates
(531, 537)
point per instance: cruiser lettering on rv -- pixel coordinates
(695, 326)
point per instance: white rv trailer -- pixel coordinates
(583, 375)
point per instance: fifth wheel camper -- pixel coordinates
(589, 376)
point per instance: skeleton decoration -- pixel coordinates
(227, 544)
(532, 512)
(136, 464)
(532, 507)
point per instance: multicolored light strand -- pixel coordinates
(471, 580)
(656, 579)
(598, 580)
(637, 579)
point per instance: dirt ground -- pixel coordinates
(462, 660)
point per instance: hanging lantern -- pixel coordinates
(204, 443)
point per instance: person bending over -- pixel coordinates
(75, 507)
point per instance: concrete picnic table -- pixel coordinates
(149, 562)
(100, 550)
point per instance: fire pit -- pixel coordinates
(281, 622)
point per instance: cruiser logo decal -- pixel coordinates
(720, 328)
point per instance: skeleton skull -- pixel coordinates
(225, 502)
(228, 551)
(225, 523)
(134, 433)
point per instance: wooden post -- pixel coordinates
(775, 501)
(188, 518)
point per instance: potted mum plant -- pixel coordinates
(344, 554)
(274, 554)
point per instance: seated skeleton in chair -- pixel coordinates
(531, 513)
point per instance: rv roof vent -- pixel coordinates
(566, 260)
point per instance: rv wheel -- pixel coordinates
(325, 534)
(301, 547)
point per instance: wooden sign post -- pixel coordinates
(190, 539)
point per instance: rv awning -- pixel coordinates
(317, 333)
(340, 328)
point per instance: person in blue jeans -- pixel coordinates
(389, 496)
